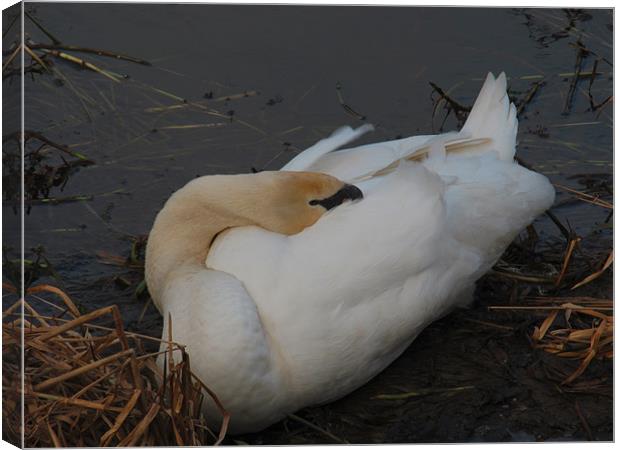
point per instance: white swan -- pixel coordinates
(304, 304)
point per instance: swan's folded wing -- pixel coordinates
(354, 164)
(340, 137)
(491, 126)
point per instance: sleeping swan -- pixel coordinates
(294, 288)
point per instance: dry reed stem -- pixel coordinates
(36, 57)
(519, 277)
(319, 429)
(585, 197)
(598, 273)
(65, 298)
(79, 371)
(539, 333)
(567, 256)
(82, 63)
(11, 57)
(95, 51)
(75, 401)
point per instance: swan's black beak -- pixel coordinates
(347, 192)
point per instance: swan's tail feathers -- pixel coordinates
(494, 117)
(340, 137)
(491, 126)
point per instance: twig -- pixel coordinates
(138, 431)
(585, 197)
(59, 200)
(581, 53)
(54, 290)
(526, 278)
(40, 27)
(226, 98)
(420, 393)
(489, 324)
(83, 63)
(220, 406)
(567, 256)
(33, 134)
(120, 419)
(589, 301)
(75, 401)
(80, 370)
(70, 199)
(582, 367)
(604, 103)
(317, 428)
(10, 25)
(548, 308)
(346, 107)
(595, 275)
(592, 78)
(456, 105)
(529, 96)
(583, 420)
(36, 57)
(578, 44)
(12, 57)
(90, 50)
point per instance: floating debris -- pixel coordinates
(41, 172)
(449, 105)
(41, 61)
(345, 106)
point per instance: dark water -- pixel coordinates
(171, 121)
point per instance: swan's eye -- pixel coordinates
(347, 192)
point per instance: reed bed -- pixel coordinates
(574, 326)
(88, 384)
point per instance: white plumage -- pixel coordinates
(283, 322)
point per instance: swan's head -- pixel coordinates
(208, 207)
(296, 200)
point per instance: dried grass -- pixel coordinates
(575, 327)
(91, 385)
(589, 334)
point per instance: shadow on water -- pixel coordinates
(126, 103)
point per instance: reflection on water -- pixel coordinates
(231, 88)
